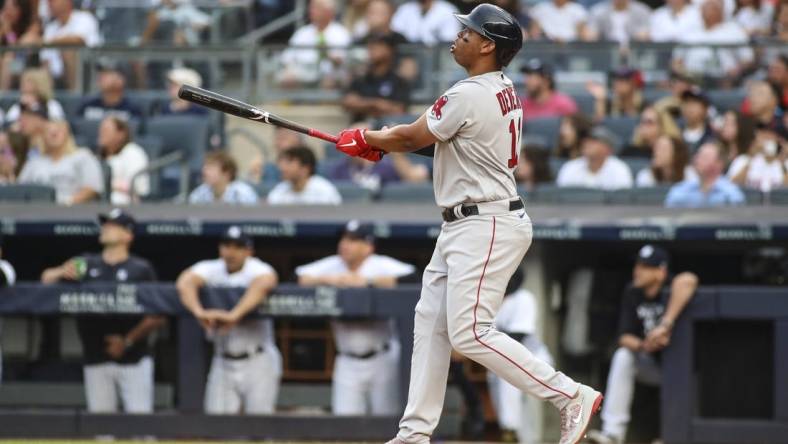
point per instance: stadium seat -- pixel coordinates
(86, 131)
(651, 95)
(352, 192)
(408, 192)
(623, 127)
(778, 197)
(636, 164)
(71, 101)
(585, 102)
(727, 99)
(650, 195)
(620, 197)
(546, 127)
(556, 163)
(7, 99)
(752, 196)
(182, 133)
(26, 193)
(553, 194)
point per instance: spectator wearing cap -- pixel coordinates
(765, 165)
(33, 120)
(68, 26)
(650, 307)
(126, 160)
(112, 98)
(598, 167)
(300, 185)
(73, 172)
(711, 188)
(723, 63)
(220, 185)
(627, 99)
(379, 91)
(368, 351)
(533, 167)
(620, 21)
(695, 127)
(675, 19)
(428, 22)
(669, 164)
(541, 99)
(177, 106)
(118, 364)
(246, 367)
(37, 82)
(316, 50)
(679, 83)
(7, 278)
(559, 21)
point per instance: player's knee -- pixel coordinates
(464, 339)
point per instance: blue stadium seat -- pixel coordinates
(620, 197)
(623, 127)
(71, 102)
(7, 99)
(408, 192)
(547, 127)
(188, 134)
(752, 196)
(778, 197)
(553, 194)
(651, 95)
(727, 99)
(650, 195)
(26, 193)
(86, 131)
(353, 193)
(636, 164)
(585, 102)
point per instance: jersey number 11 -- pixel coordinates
(515, 132)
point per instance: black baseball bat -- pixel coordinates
(243, 110)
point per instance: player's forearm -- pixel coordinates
(254, 296)
(84, 195)
(631, 342)
(145, 327)
(682, 290)
(402, 138)
(384, 282)
(188, 291)
(311, 281)
(67, 40)
(51, 275)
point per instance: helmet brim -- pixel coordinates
(465, 20)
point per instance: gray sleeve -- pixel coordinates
(90, 173)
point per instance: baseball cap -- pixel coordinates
(536, 66)
(118, 217)
(603, 134)
(696, 93)
(234, 235)
(36, 106)
(359, 231)
(185, 76)
(652, 256)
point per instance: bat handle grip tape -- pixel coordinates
(325, 136)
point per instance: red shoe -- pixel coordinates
(576, 415)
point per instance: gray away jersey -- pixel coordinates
(478, 123)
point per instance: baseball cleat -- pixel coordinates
(576, 415)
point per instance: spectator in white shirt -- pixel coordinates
(726, 63)
(219, 185)
(125, 159)
(426, 21)
(598, 167)
(620, 20)
(670, 22)
(559, 20)
(37, 82)
(322, 62)
(765, 167)
(68, 27)
(669, 165)
(755, 16)
(300, 185)
(73, 172)
(365, 378)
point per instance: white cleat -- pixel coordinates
(576, 415)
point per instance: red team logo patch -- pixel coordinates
(436, 108)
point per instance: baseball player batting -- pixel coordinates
(476, 127)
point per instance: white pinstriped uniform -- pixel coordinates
(477, 123)
(10, 277)
(248, 385)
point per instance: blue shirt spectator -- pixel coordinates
(219, 183)
(112, 98)
(710, 189)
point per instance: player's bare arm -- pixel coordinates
(630, 342)
(681, 291)
(254, 295)
(188, 286)
(402, 138)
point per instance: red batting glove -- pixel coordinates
(353, 143)
(374, 155)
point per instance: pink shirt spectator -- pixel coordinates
(558, 105)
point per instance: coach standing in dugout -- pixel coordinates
(118, 362)
(247, 365)
(645, 326)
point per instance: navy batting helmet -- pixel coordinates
(497, 25)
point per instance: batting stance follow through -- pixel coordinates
(476, 128)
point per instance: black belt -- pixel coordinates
(473, 210)
(245, 355)
(366, 355)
